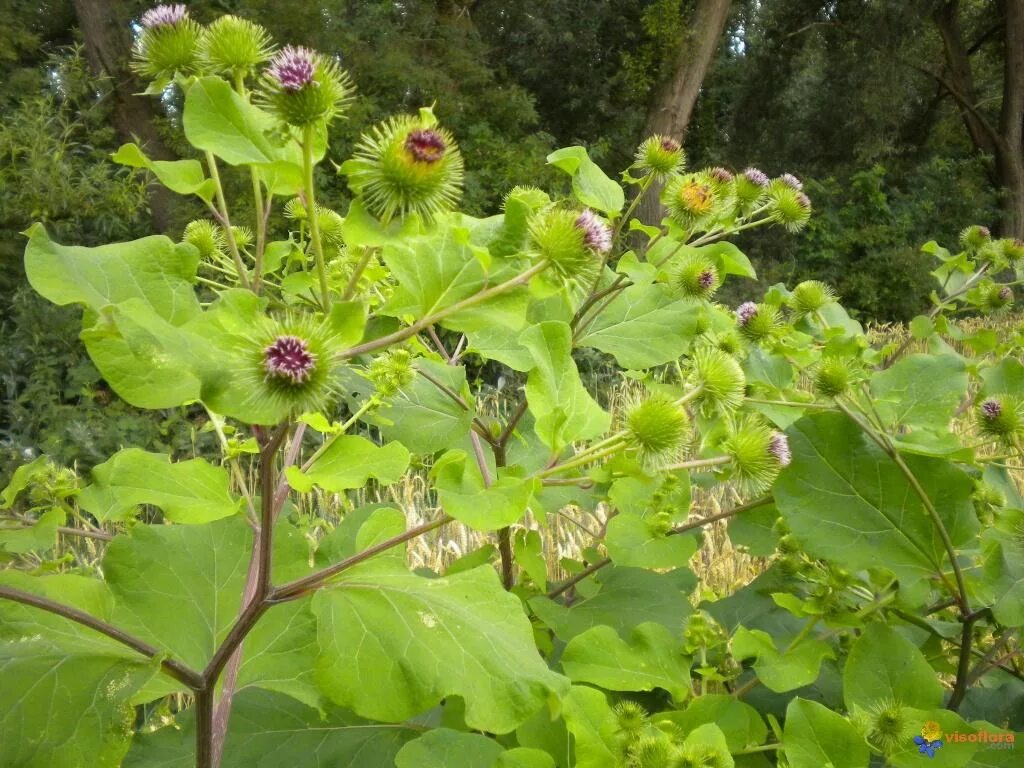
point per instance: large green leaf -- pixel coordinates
(147, 360)
(422, 639)
(179, 587)
(463, 494)
(445, 748)
(523, 757)
(18, 621)
(885, 666)
(631, 541)
(280, 653)
(921, 391)
(423, 417)
(740, 722)
(594, 727)
(186, 177)
(1004, 573)
(628, 598)
(644, 326)
(846, 501)
(153, 269)
(268, 730)
(218, 120)
(781, 671)
(40, 535)
(66, 709)
(349, 462)
(23, 477)
(651, 658)
(437, 270)
(563, 409)
(191, 491)
(816, 737)
(590, 185)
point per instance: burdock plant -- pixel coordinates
(261, 604)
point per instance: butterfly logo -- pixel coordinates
(929, 741)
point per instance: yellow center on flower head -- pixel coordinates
(696, 197)
(932, 730)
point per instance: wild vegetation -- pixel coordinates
(400, 448)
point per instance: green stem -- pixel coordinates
(755, 750)
(790, 404)
(353, 281)
(587, 457)
(257, 193)
(299, 587)
(419, 325)
(644, 186)
(804, 633)
(236, 471)
(314, 223)
(363, 409)
(699, 463)
(225, 220)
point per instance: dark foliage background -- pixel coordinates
(844, 94)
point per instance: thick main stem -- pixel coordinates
(228, 658)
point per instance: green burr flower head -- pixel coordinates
(696, 275)
(406, 165)
(233, 46)
(206, 236)
(1002, 417)
(303, 87)
(661, 156)
(168, 44)
(832, 376)
(657, 428)
(974, 237)
(758, 453)
(810, 296)
(720, 379)
(557, 237)
(788, 205)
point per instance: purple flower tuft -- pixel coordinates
(803, 200)
(984, 232)
(721, 175)
(779, 447)
(164, 16)
(706, 279)
(791, 181)
(1005, 293)
(294, 67)
(757, 177)
(670, 145)
(425, 145)
(289, 358)
(596, 234)
(992, 409)
(746, 312)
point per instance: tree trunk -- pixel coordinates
(670, 113)
(1010, 157)
(106, 30)
(1005, 141)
